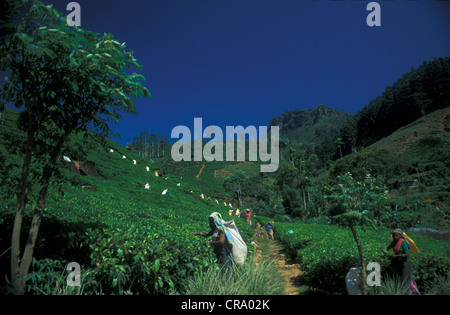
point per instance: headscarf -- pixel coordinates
(402, 235)
(397, 231)
(220, 224)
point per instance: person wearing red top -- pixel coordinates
(400, 260)
(248, 216)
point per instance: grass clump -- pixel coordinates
(250, 279)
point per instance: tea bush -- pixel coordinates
(326, 253)
(137, 248)
(127, 240)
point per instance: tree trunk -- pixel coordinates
(358, 244)
(239, 195)
(20, 267)
(2, 115)
(34, 229)
(304, 198)
(17, 280)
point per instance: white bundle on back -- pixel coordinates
(239, 246)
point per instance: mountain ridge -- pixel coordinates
(299, 126)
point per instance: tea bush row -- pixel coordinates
(326, 253)
(126, 243)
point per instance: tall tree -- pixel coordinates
(158, 141)
(152, 141)
(67, 80)
(354, 203)
(137, 145)
(236, 183)
(422, 101)
(164, 142)
(339, 143)
(145, 143)
(2, 112)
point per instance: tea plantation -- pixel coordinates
(132, 240)
(327, 252)
(127, 239)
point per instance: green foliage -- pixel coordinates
(440, 285)
(126, 246)
(326, 254)
(413, 163)
(85, 73)
(236, 183)
(315, 129)
(126, 239)
(356, 202)
(131, 241)
(415, 94)
(431, 264)
(393, 286)
(49, 277)
(380, 163)
(250, 279)
(67, 80)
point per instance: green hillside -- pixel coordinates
(133, 240)
(310, 125)
(129, 239)
(315, 130)
(414, 164)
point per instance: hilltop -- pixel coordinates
(315, 130)
(310, 125)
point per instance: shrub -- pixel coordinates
(250, 279)
(326, 253)
(439, 286)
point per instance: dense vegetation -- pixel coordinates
(315, 130)
(335, 196)
(417, 93)
(326, 253)
(128, 240)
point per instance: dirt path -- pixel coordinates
(272, 249)
(200, 172)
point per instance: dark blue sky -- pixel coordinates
(243, 62)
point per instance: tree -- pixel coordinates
(67, 80)
(236, 183)
(286, 176)
(158, 138)
(2, 112)
(339, 143)
(164, 142)
(422, 101)
(137, 145)
(355, 203)
(145, 139)
(152, 140)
